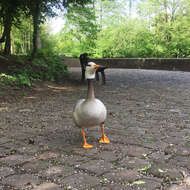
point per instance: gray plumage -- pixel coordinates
(89, 112)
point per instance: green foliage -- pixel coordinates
(80, 31)
(7, 79)
(169, 23)
(130, 39)
(22, 37)
(103, 28)
(111, 12)
(69, 44)
(21, 80)
(160, 30)
(48, 42)
(51, 68)
(139, 182)
(42, 68)
(145, 169)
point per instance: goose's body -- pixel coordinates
(90, 112)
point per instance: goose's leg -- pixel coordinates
(103, 139)
(85, 145)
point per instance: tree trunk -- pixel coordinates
(12, 44)
(101, 15)
(36, 38)
(166, 19)
(2, 39)
(165, 9)
(130, 7)
(6, 36)
(1, 46)
(22, 47)
(7, 29)
(29, 37)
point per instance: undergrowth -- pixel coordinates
(24, 73)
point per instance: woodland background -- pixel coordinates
(102, 28)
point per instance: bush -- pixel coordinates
(7, 79)
(51, 68)
(41, 68)
(21, 80)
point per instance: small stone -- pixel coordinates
(113, 187)
(46, 186)
(6, 171)
(25, 110)
(122, 176)
(175, 111)
(31, 141)
(19, 181)
(80, 181)
(173, 174)
(56, 172)
(187, 180)
(147, 183)
(13, 160)
(47, 155)
(134, 163)
(178, 187)
(36, 165)
(108, 156)
(135, 151)
(97, 167)
(4, 140)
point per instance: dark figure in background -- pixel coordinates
(84, 61)
(101, 70)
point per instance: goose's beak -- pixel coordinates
(96, 66)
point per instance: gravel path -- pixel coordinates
(148, 124)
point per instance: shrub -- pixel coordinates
(41, 68)
(7, 79)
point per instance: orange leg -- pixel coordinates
(85, 145)
(103, 139)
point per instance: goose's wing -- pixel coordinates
(89, 113)
(76, 110)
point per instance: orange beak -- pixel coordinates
(96, 66)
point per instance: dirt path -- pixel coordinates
(148, 124)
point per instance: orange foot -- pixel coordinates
(104, 139)
(87, 146)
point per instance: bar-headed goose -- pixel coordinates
(90, 112)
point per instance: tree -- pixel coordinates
(110, 12)
(84, 22)
(21, 36)
(165, 17)
(40, 9)
(81, 22)
(129, 39)
(9, 13)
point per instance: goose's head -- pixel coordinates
(91, 70)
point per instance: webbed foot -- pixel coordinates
(104, 139)
(87, 145)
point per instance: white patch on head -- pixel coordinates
(90, 71)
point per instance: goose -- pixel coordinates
(91, 111)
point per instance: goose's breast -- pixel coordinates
(89, 113)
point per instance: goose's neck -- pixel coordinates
(90, 93)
